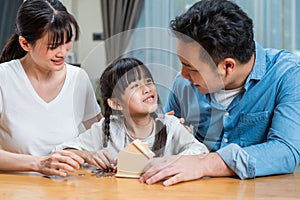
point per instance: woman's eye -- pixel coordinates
(52, 47)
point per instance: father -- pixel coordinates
(242, 101)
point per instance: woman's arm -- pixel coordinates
(57, 163)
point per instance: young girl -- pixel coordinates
(130, 102)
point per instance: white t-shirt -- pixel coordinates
(33, 126)
(179, 140)
(225, 97)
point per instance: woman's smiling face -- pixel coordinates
(49, 57)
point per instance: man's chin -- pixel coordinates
(202, 90)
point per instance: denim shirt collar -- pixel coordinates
(259, 68)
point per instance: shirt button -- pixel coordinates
(226, 113)
(226, 140)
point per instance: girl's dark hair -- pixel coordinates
(113, 82)
(220, 27)
(35, 18)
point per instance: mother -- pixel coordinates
(43, 100)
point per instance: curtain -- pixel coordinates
(119, 16)
(8, 13)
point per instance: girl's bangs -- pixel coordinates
(131, 75)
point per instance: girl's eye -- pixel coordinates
(135, 85)
(149, 80)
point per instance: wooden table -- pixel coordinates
(85, 185)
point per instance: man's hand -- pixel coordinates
(179, 168)
(180, 119)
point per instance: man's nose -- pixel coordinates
(185, 73)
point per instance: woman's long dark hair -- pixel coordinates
(35, 19)
(113, 82)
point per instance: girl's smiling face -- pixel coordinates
(140, 97)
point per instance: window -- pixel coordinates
(276, 22)
(296, 30)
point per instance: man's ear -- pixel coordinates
(114, 104)
(227, 66)
(24, 44)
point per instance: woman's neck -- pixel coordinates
(33, 71)
(139, 128)
(46, 83)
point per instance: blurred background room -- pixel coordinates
(140, 28)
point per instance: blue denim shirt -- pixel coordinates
(258, 134)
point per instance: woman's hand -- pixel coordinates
(59, 163)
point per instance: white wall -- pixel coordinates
(89, 17)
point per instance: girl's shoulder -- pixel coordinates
(168, 120)
(116, 126)
(114, 120)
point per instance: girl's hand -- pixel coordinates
(100, 159)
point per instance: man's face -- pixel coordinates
(206, 78)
